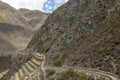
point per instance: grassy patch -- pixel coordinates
(50, 72)
(58, 62)
(68, 75)
(83, 78)
(47, 49)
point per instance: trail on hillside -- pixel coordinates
(35, 69)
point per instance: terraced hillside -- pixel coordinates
(3, 73)
(34, 69)
(82, 33)
(15, 33)
(29, 70)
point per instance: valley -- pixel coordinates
(78, 41)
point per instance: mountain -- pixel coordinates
(6, 46)
(17, 27)
(10, 15)
(81, 33)
(15, 32)
(34, 17)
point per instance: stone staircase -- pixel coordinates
(28, 70)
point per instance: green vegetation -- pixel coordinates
(48, 48)
(50, 72)
(1, 19)
(68, 75)
(118, 68)
(58, 62)
(92, 33)
(71, 20)
(50, 78)
(83, 78)
(116, 42)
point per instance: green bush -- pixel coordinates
(50, 72)
(83, 78)
(58, 62)
(68, 75)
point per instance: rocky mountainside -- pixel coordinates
(84, 33)
(34, 17)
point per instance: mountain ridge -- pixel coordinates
(34, 17)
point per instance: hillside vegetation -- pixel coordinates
(82, 33)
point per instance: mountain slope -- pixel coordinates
(9, 14)
(14, 29)
(6, 46)
(15, 34)
(83, 33)
(34, 17)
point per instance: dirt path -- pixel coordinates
(35, 67)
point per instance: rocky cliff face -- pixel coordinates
(84, 33)
(34, 17)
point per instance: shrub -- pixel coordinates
(68, 75)
(58, 62)
(83, 78)
(50, 72)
